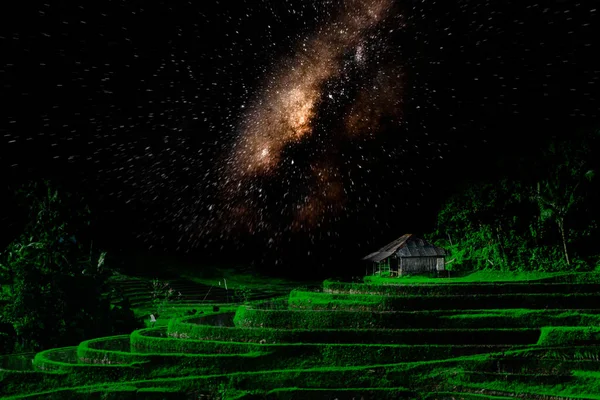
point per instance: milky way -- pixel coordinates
(284, 113)
(283, 119)
(284, 110)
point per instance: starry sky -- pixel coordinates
(279, 130)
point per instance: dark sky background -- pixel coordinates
(137, 105)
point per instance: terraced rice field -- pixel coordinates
(475, 340)
(138, 292)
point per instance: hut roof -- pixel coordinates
(407, 246)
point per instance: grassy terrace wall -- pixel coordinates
(148, 341)
(299, 356)
(575, 387)
(108, 350)
(65, 360)
(378, 377)
(545, 366)
(146, 366)
(344, 393)
(352, 340)
(14, 381)
(392, 336)
(344, 354)
(567, 335)
(275, 357)
(315, 301)
(487, 277)
(249, 317)
(335, 287)
(160, 363)
(371, 376)
(531, 379)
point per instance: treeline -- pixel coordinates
(540, 212)
(53, 282)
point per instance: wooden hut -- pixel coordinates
(407, 255)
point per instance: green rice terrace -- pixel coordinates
(492, 337)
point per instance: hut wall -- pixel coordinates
(415, 265)
(441, 264)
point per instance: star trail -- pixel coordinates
(287, 122)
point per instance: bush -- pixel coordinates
(56, 277)
(8, 338)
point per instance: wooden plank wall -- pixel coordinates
(415, 265)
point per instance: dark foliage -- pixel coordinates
(57, 281)
(539, 215)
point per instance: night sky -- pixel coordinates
(276, 131)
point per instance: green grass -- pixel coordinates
(174, 311)
(278, 351)
(235, 278)
(587, 389)
(465, 396)
(474, 319)
(479, 277)
(295, 393)
(569, 335)
(362, 302)
(241, 282)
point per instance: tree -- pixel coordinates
(56, 280)
(536, 219)
(558, 191)
(479, 224)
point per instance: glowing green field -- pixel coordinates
(376, 340)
